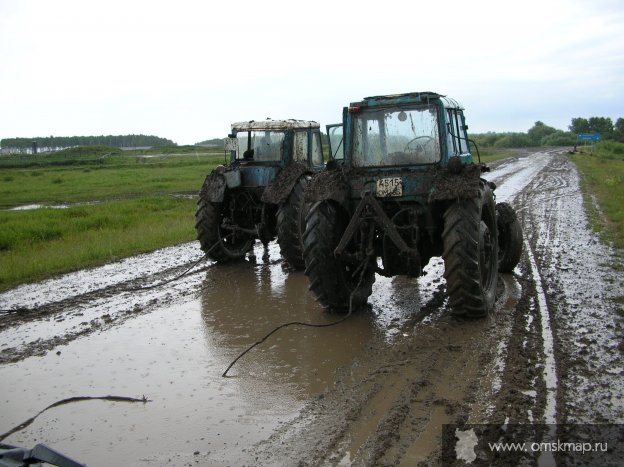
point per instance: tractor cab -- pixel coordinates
(406, 130)
(276, 142)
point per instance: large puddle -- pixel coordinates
(176, 353)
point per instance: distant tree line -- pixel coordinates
(218, 142)
(55, 143)
(211, 142)
(541, 134)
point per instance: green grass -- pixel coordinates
(110, 157)
(132, 212)
(39, 243)
(130, 177)
(603, 177)
(491, 154)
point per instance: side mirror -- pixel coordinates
(230, 144)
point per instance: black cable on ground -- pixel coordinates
(160, 284)
(301, 323)
(147, 287)
(292, 323)
(69, 400)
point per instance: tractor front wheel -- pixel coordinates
(337, 285)
(216, 240)
(509, 237)
(471, 254)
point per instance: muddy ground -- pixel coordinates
(374, 390)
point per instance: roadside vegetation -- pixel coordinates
(491, 154)
(602, 169)
(37, 243)
(601, 166)
(126, 203)
(542, 135)
(119, 176)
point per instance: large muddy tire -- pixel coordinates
(336, 285)
(291, 225)
(218, 244)
(471, 254)
(509, 237)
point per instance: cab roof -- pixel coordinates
(406, 99)
(274, 125)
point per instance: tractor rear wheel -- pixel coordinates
(218, 243)
(291, 224)
(509, 237)
(471, 254)
(338, 286)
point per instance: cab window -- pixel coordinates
(317, 149)
(300, 146)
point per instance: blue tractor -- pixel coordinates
(402, 189)
(260, 193)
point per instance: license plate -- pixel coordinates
(388, 187)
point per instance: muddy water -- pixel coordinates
(174, 352)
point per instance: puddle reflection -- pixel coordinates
(243, 302)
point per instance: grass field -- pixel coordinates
(80, 184)
(41, 242)
(490, 155)
(116, 176)
(129, 208)
(603, 177)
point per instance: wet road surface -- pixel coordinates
(372, 390)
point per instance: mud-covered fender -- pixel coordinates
(462, 184)
(278, 190)
(214, 185)
(329, 185)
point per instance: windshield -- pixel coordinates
(395, 136)
(260, 145)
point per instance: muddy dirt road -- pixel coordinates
(373, 390)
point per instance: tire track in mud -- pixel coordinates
(581, 288)
(91, 280)
(78, 304)
(576, 362)
(533, 310)
(549, 366)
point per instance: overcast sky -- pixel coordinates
(185, 70)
